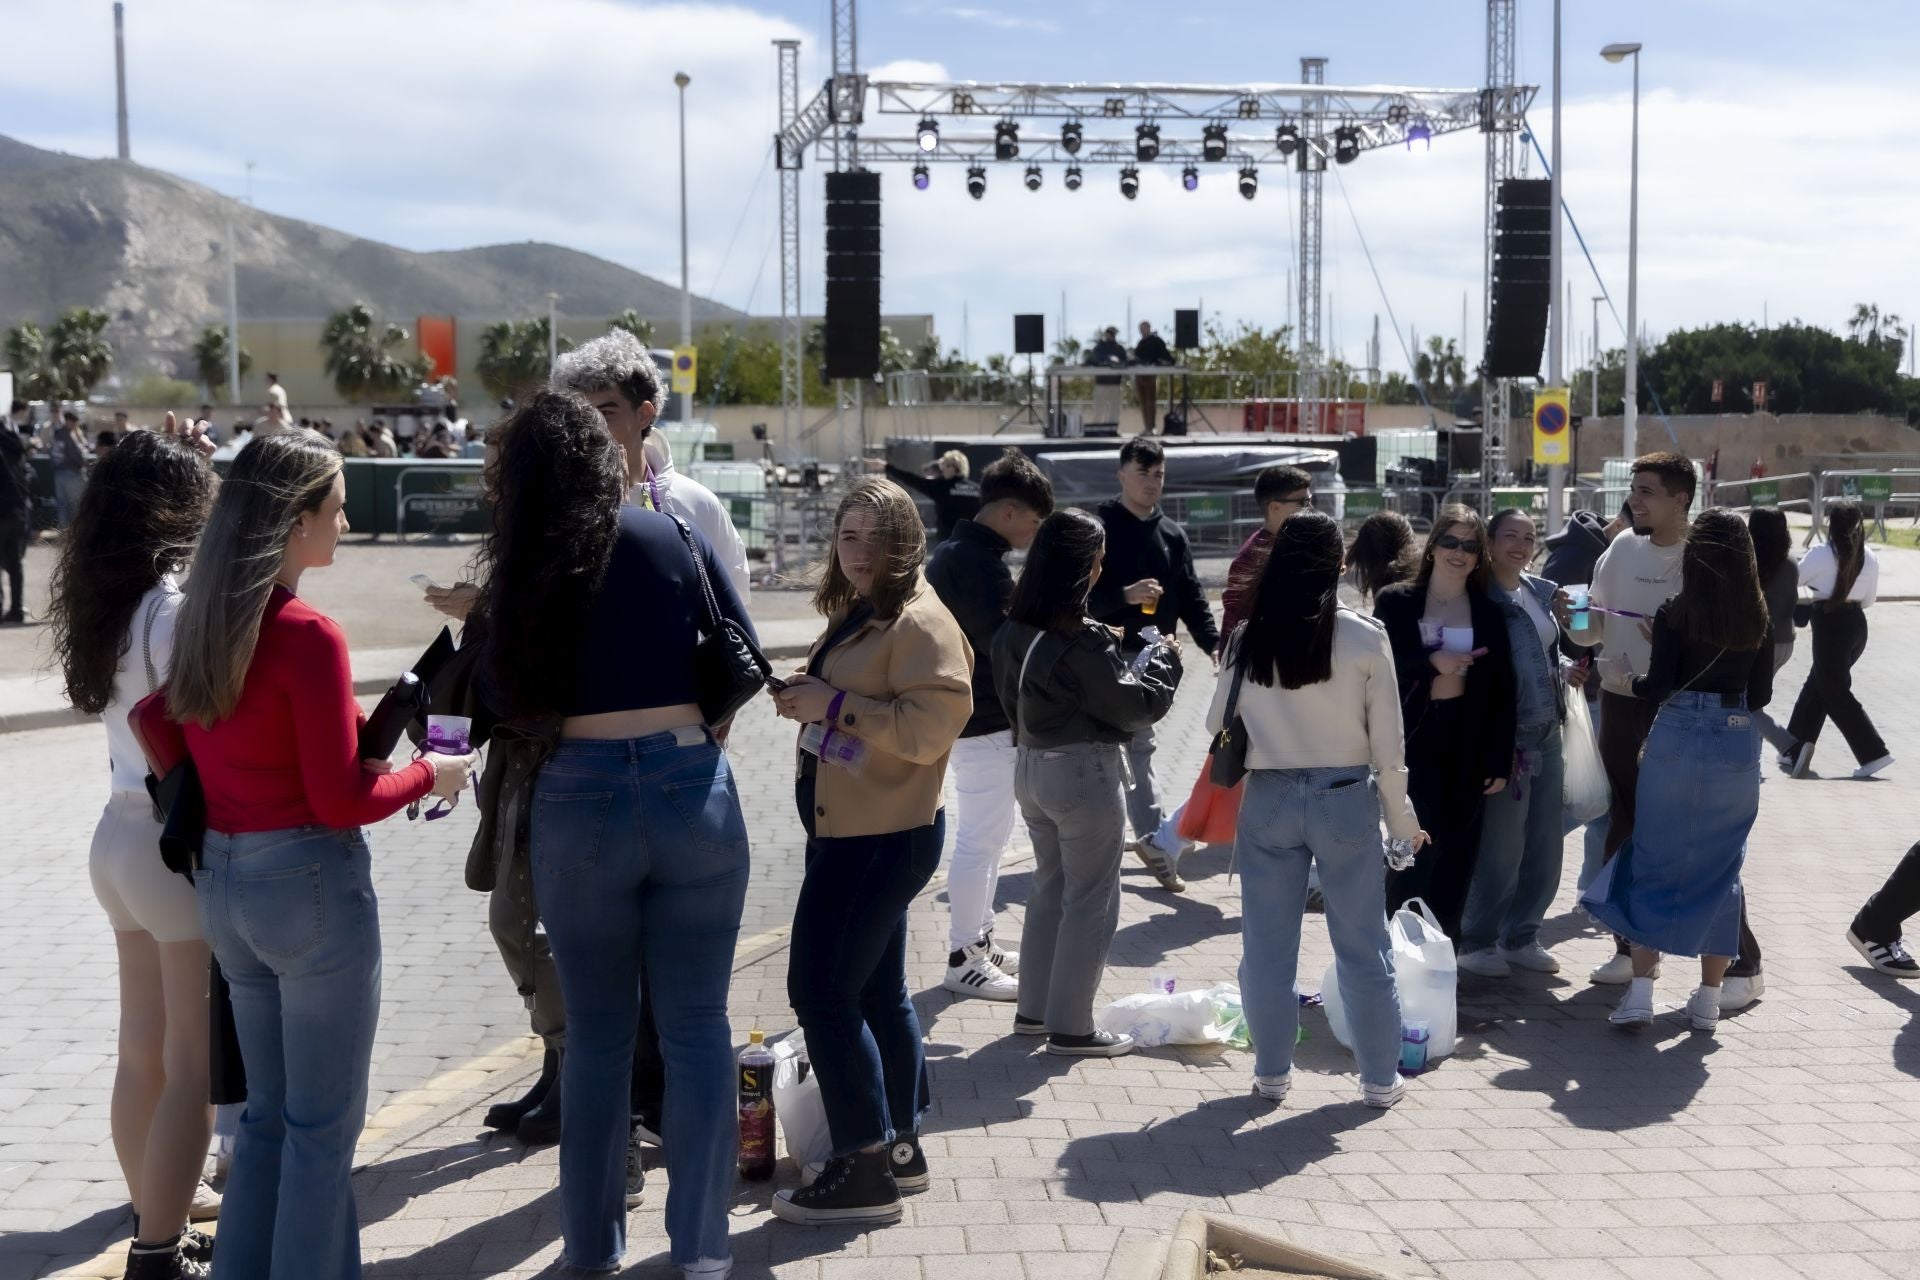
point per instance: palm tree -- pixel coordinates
(364, 356)
(513, 356)
(1067, 351)
(1441, 370)
(1868, 325)
(78, 351)
(210, 358)
(630, 321)
(26, 354)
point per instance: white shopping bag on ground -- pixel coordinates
(803, 1116)
(1424, 970)
(1155, 1018)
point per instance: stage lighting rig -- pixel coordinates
(1146, 143)
(1129, 182)
(1073, 178)
(1190, 178)
(1249, 182)
(1213, 144)
(929, 133)
(976, 182)
(1420, 131)
(921, 179)
(1070, 137)
(1033, 177)
(1346, 144)
(1286, 139)
(1006, 140)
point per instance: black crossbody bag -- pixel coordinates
(728, 667)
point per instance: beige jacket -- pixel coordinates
(909, 692)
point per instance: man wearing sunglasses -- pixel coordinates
(1280, 493)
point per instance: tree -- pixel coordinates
(514, 356)
(33, 375)
(1806, 369)
(1441, 371)
(1876, 331)
(630, 321)
(1264, 357)
(66, 361)
(364, 356)
(210, 358)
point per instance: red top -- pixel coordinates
(1242, 576)
(288, 756)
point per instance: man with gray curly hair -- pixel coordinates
(618, 377)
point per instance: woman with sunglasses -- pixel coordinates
(1455, 668)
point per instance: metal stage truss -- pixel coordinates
(1307, 125)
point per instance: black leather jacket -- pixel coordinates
(1078, 687)
(969, 573)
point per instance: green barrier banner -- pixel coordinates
(1868, 488)
(1207, 510)
(1764, 494)
(1364, 502)
(1524, 499)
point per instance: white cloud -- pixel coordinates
(997, 19)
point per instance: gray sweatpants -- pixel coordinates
(1070, 798)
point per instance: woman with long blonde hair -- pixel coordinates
(262, 687)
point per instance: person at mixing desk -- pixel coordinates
(1108, 352)
(1150, 350)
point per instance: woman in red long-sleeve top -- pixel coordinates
(260, 683)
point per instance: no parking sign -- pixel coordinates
(1550, 427)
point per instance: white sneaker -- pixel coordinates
(1382, 1096)
(1738, 993)
(1007, 962)
(1273, 1088)
(1617, 971)
(708, 1269)
(1703, 1008)
(1485, 964)
(1533, 957)
(1636, 1007)
(206, 1204)
(976, 975)
(1872, 767)
(1158, 861)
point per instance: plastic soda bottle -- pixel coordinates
(756, 1110)
(1413, 1048)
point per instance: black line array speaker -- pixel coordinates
(853, 275)
(1030, 335)
(1186, 330)
(1522, 278)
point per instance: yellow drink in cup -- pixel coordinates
(1150, 604)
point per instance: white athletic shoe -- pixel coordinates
(1484, 964)
(206, 1204)
(1382, 1096)
(976, 975)
(1617, 972)
(1533, 957)
(1007, 962)
(1636, 1007)
(1872, 767)
(1738, 993)
(1703, 1008)
(1273, 1088)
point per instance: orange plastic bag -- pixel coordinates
(1212, 812)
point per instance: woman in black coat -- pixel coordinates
(1455, 667)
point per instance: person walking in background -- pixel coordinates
(261, 686)
(1278, 493)
(1455, 668)
(1149, 580)
(1780, 581)
(1150, 350)
(955, 497)
(1843, 576)
(1674, 887)
(277, 395)
(892, 676)
(1518, 871)
(1316, 688)
(1876, 930)
(16, 519)
(968, 572)
(114, 605)
(70, 459)
(1382, 553)
(1075, 701)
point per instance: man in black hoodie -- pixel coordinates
(1148, 579)
(968, 572)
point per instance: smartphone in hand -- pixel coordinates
(776, 685)
(425, 583)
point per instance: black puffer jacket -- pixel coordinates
(1077, 686)
(969, 573)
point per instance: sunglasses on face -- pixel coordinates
(1452, 542)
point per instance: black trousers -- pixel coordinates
(1445, 782)
(1839, 638)
(13, 552)
(1886, 911)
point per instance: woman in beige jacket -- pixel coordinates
(886, 691)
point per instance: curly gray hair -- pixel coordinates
(616, 359)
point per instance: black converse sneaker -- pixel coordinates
(636, 1175)
(1890, 958)
(163, 1261)
(195, 1244)
(858, 1188)
(909, 1163)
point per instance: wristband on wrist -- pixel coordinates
(833, 708)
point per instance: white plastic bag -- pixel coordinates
(1155, 1018)
(1586, 790)
(803, 1116)
(1425, 972)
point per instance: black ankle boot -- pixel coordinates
(163, 1262)
(506, 1116)
(541, 1125)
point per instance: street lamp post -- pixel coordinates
(1560, 322)
(1598, 298)
(553, 333)
(1629, 434)
(682, 80)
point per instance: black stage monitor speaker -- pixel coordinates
(1522, 278)
(1030, 335)
(853, 275)
(1186, 330)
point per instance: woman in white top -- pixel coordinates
(1843, 575)
(114, 605)
(1314, 685)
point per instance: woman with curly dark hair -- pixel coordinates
(114, 605)
(638, 846)
(1381, 555)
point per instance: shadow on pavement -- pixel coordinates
(1906, 1045)
(28, 1253)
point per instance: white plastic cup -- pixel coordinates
(450, 735)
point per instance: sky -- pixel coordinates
(1780, 172)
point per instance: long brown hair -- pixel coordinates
(1452, 514)
(901, 551)
(1849, 543)
(1721, 601)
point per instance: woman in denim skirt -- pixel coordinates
(1320, 702)
(1674, 888)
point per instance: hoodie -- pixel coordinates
(1573, 552)
(1157, 548)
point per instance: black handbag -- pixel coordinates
(728, 667)
(1227, 757)
(182, 805)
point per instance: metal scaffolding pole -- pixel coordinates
(792, 385)
(1496, 395)
(1313, 169)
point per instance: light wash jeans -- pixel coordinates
(1291, 819)
(1521, 838)
(983, 810)
(292, 917)
(639, 858)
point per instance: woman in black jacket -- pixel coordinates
(1074, 702)
(1455, 668)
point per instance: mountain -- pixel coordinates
(149, 249)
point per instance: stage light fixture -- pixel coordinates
(1249, 108)
(976, 182)
(1420, 131)
(1114, 108)
(1033, 177)
(1146, 142)
(1006, 140)
(1213, 144)
(921, 178)
(1346, 144)
(1190, 178)
(1398, 113)
(1286, 139)
(1070, 134)
(1249, 182)
(1129, 182)
(929, 133)
(1073, 178)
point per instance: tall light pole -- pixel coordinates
(1598, 298)
(233, 316)
(1556, 337)
(682, 80)
(553, 333)
(1629, 433)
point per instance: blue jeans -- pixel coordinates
(1291, 819)
(639, 858)
(847, 976)
(1520, 847)
(292, 917)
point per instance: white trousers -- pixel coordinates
(984, 810)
